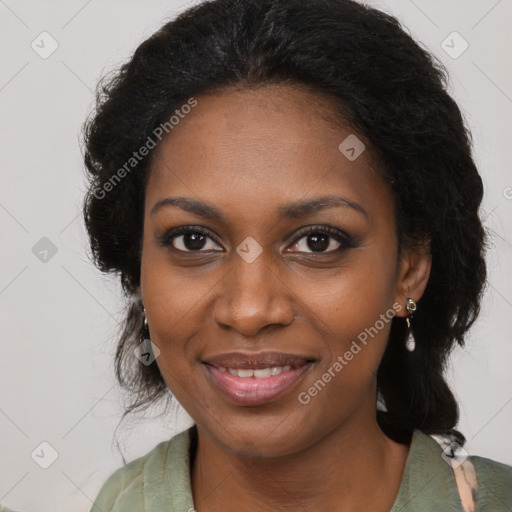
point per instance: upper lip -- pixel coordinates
(256, 361)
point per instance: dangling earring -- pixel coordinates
(144, 332)
(146, 352)
(381, 403)
(410, 344)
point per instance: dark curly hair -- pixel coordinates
(385, 86)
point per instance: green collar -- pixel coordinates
(427, 481)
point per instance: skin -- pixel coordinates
(248, 153)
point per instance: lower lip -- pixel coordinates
(253, 391)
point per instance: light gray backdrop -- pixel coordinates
(59, 316)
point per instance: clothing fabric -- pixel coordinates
(160, 481)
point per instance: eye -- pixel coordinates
(188, 239)
(320, 238)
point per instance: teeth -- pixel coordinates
(276, 370)
(264, 373)
(245, 373)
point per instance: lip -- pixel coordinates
(256, 361)
(251, 390)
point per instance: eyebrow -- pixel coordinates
(288, 211)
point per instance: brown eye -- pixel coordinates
(322, 239)
(188, 239)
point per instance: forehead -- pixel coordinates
(269, 144)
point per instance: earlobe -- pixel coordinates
(413, 276)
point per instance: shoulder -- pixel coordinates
(126, 483)
(494, 483)
(124, 490)
(488, 481)
(429, 481)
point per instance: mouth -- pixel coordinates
(255, 379)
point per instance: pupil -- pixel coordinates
(194, 241)
(319, 243)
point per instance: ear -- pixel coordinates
(413, 275)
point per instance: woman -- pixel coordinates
(288, 194)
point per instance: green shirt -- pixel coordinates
(160, 481)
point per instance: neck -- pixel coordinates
(353, 467)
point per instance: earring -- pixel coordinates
(144, 332)
(410, 344)
(381, 403)
(146, 351)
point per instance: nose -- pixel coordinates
(253, 297)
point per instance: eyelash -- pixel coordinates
(342, 238)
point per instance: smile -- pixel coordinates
(264, 373)
(256, 380)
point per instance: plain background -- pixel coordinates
(60, 316)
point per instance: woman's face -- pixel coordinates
(253, 291)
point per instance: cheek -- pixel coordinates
(170, 304)
(173, 296)
(352, 297)
(353, 310)
(355, 337)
